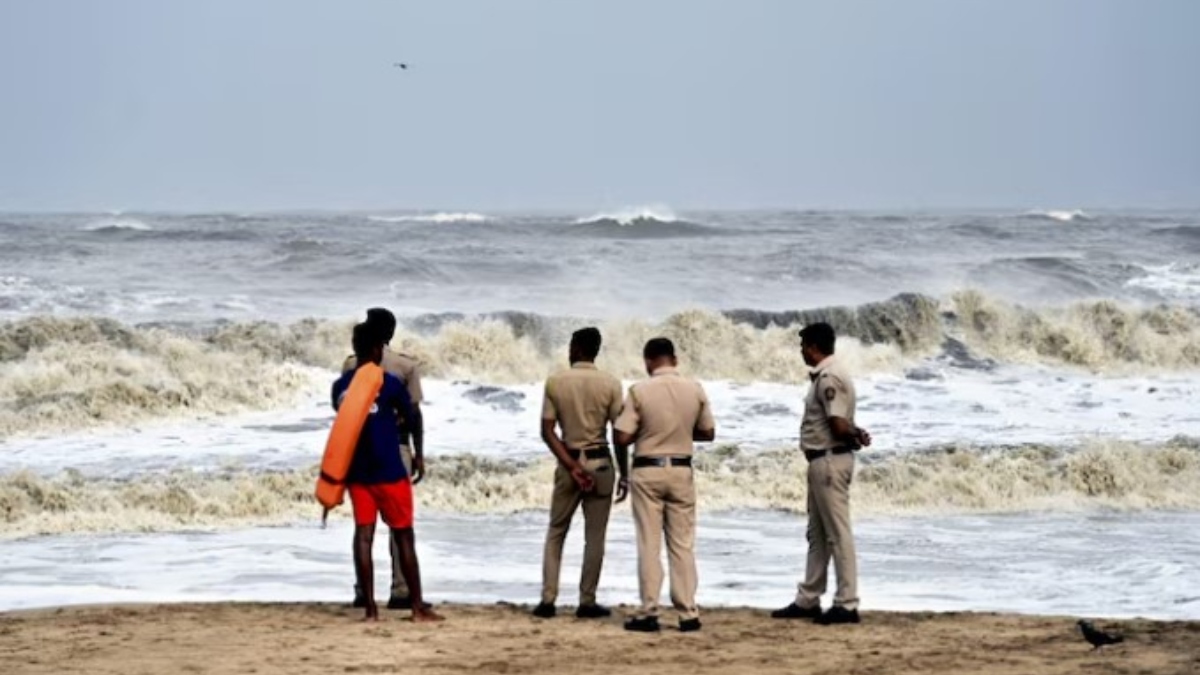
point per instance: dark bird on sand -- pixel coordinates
(1098, 638)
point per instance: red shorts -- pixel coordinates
(392, 500)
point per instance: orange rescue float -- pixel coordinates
(343, 437)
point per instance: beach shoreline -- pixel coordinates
(299, 638)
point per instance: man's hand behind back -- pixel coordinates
(582, 478)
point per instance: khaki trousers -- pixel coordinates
(664, 500)
(597, 505)
(829, 533)
(399, 587)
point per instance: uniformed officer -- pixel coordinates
(828, 438)
(412, 450)
(662, 417)
(582, 402)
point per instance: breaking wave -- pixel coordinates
(67, 373)
(1102, 336)
(1096, 474)
(632, 216)
(117, 224)
(432, 218)
(643, 222)
(1180, 281)
(1059, 215)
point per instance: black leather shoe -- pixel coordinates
(545, 610)
(359, 601)
(794, 611)
(689, 625)
(592, 612)
(838, 614)
(647, 624)
(397, 602)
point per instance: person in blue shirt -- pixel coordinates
(377, 481)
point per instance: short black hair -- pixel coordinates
(587, 342)
(366, 340)
(821, 336)
(658, 348)
(383, 321)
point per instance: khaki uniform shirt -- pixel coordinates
(662, 412)
(402, 366)
(583, 400)
(831, 394)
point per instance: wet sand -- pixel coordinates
(297, 639)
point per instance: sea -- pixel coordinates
(1031, 379)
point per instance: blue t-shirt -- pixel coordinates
(377, 456)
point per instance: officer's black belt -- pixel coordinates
(642, 462)
(810, 455)
(594, 453)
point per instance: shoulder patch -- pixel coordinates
(830, 393)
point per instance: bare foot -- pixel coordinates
(372, 612)
(426, 616)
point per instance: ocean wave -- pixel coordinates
(448, 217)
(632, 216)
(644, 222)
(1061, 216)
(1182, 231)
(956, 479)
(116, 224)
(1102, 336)
(205, 235)
(1187, 237)
(642, 229)
(60, 373)
(302, 245)
(1180, 281)
(1054, 273)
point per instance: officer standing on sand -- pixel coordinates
(412, 448)
(828, 439)
(662, 417)
(582, 401)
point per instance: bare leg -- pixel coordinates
(364, 569)
(412, 574)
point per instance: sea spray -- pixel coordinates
(67, 373)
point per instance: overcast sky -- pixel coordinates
(238, 104)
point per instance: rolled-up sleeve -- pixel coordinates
(834, 397)
(615, 405)
(549, 410)
(704, 421)
(630, 418)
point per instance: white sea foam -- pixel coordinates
(117, 222)
(632, 215)
(1062, 216)
(441, 217)
(1179, 281)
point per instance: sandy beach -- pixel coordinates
(325, 638)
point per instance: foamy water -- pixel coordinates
(1111, 565)
(1010, 440)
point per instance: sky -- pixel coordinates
(280, 104)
